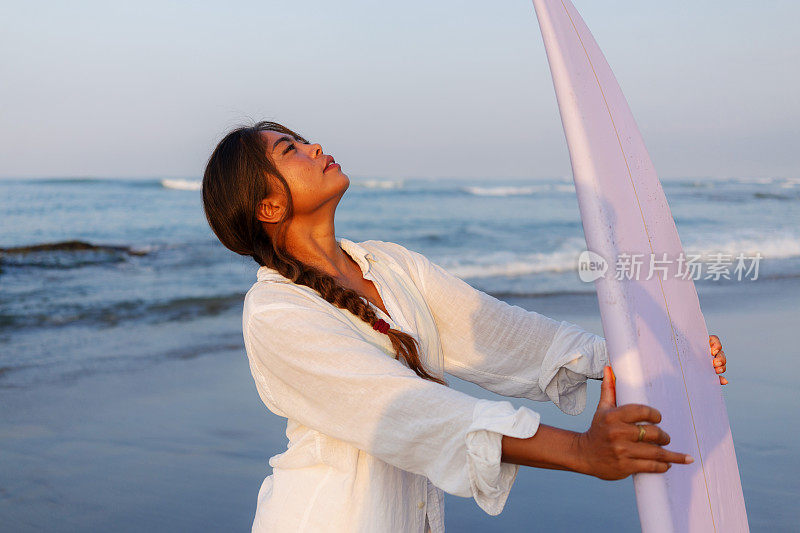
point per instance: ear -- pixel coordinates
(270, 210)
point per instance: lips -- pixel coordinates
(330, 163)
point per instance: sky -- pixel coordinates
(390, 89)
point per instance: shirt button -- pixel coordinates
(420, 504)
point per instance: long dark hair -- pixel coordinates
(240, 174)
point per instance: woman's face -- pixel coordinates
(314, 180)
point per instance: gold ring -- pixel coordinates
(641, 433)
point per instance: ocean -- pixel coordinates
(167, 270)
(143, 284)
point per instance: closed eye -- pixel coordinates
(290, 147)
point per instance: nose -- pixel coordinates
(316, 150)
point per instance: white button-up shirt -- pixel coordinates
(372, 446)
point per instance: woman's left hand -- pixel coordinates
(719, 360)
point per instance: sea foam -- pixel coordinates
(181, 185)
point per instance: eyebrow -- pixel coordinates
(284, 138)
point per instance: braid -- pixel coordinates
(405, 346)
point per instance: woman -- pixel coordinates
(350, 342)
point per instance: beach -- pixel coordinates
(183, 444)
(127, 400)
(492, 138)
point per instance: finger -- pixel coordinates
(652, 433)
(653, 467)
(608, 395)
(723, 380)
(715, 343)
(653, 452)
(636, 412)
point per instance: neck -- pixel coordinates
(317, 246)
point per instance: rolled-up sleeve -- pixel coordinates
(504, 348)
(490, 479)
(313, 366)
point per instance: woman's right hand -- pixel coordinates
(609, 449)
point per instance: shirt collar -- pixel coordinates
(360, 255)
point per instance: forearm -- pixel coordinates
(550, 447)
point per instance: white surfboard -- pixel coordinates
(655, 331)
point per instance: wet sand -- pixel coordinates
(183, 444)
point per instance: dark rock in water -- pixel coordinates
(64, 254)
(70, 246)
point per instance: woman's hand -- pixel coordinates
(611, 447)
(719, 357)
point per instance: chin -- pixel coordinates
(345, 180)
